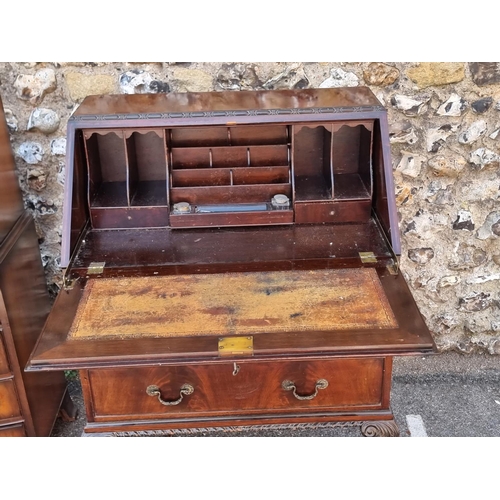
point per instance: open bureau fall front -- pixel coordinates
(231, 259)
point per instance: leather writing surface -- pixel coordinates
(233, 304)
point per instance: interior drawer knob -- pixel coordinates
(154, 390)
(288, 385)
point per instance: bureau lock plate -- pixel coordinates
(236, 346)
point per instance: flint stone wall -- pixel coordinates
(445, 136)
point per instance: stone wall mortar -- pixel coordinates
(445, 135)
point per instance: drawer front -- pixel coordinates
(17, 430)
(9, 406)
(333, 211)
(4, 364)
(234, 388)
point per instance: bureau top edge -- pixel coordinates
(227, 104)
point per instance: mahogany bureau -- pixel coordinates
(29, 402)
(231, 259)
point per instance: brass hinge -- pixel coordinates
(96, 267)
(367, 257)
(236, 346)
(393, 268)
(68, 281)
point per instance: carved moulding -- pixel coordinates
(380, 428)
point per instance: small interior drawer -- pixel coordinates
(235, 387)
(9, 406)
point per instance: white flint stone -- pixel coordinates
(452, 107)
(61, 174)
(446, 281)
(381, 97)
(35, 87)
(421, 255)
(135, 82)
(482, 279)
(434, 187)
(11, 120)
(427, 225)
(436, 136)
(31, 152)
(403, 133)
(44, 120)
(473, 133)
(494, 134)
(58, 146)
(340, 78)
(292, 75)
(410, 164)
(439, 195)
(448, 320)
(410, 106)
(494, 345)
(463, 216)
(483, 157)
(485, 231)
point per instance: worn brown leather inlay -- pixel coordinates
(232, 304)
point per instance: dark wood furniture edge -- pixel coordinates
(22, 381)
(98, 121)
(263, 419)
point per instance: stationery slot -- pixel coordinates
(147, 169)
(312, 162)
(107, 167)
(351, 159)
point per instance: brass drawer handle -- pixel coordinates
(288, 385)
(154, 390)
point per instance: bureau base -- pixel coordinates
(384, 428)
(242, 394)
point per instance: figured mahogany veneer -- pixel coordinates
(197, 223)
(255, 388)
(9, 407)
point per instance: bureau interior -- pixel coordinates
(195, 177)
(220, 169)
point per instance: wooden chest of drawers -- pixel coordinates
(231, 259)
(29, 402)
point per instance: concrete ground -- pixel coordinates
(447, 395)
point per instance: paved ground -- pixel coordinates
(441, 395)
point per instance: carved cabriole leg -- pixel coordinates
(380, 428)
